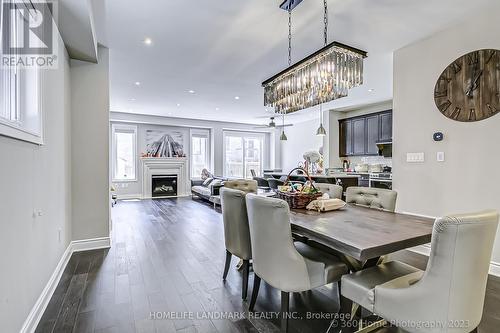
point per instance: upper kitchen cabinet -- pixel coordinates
(372, 134)
(345, 133)
(385, 127)
(359, 136)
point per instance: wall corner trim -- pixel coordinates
(43, 300)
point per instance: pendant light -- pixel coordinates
(283, 135)
(321, 130)
(324, 76)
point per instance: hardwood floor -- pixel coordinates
(164, 274)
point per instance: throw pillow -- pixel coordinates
(207, 182)
(215, 183)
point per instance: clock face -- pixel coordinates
(469, 88)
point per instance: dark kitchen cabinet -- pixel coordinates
(345, 142)
(358, 136)
(372, 134)
(385, 127)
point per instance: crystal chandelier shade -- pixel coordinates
(322, 77)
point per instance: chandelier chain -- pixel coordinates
(289, 37)
(325, 20)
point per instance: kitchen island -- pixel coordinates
(344, 180)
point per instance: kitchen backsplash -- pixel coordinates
(353, 160)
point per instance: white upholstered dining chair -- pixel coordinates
(236, 233)
(277, 260)
(334, 191)
(449, 295)
(376, 198)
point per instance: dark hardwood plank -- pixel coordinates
(69, 310)
(85, 322)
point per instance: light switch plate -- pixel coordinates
(415, 157)
(440, 156)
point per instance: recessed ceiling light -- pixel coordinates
(236, 97)
(148, 41)
(217, 109)
(371, 90)
(132, 99)
(178, 104)
(137, 83)
(191, 91)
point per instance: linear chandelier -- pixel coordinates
(324, 76)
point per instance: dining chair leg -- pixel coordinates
(255, 292)
(285, 307)
(228, 263)
(345, 307)
(246, 270)
(339, 293)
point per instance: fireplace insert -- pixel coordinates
(164, 186)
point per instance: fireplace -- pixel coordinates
(163, 186)
(165, 166)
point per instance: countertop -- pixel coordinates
(340, 175)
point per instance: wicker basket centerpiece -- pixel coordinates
(298, 197)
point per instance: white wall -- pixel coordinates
(35, 178)
(90, 147)
(301, 138)
(468, 181)
(216, 129)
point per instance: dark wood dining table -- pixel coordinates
(361, 233)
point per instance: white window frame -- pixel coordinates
(15, 128)
(243, 134)
(122, 128)
(201, 133)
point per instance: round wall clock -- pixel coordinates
(469, 88)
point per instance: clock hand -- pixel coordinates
(474, 85)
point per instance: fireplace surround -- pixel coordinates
(169, 166)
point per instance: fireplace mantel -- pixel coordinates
(165, 166)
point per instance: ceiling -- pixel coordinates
(224, 49)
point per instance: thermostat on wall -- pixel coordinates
(438, 136)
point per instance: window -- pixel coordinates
(124, 152)
(20, 103)
(243, 152)
(200, 152)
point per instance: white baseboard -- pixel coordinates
(38, 309)
(495, 268)
(129, 196)
(91, 244)
(139, 196)
(43, 300)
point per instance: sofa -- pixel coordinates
(206, 189)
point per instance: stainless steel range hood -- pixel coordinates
(385, 148)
